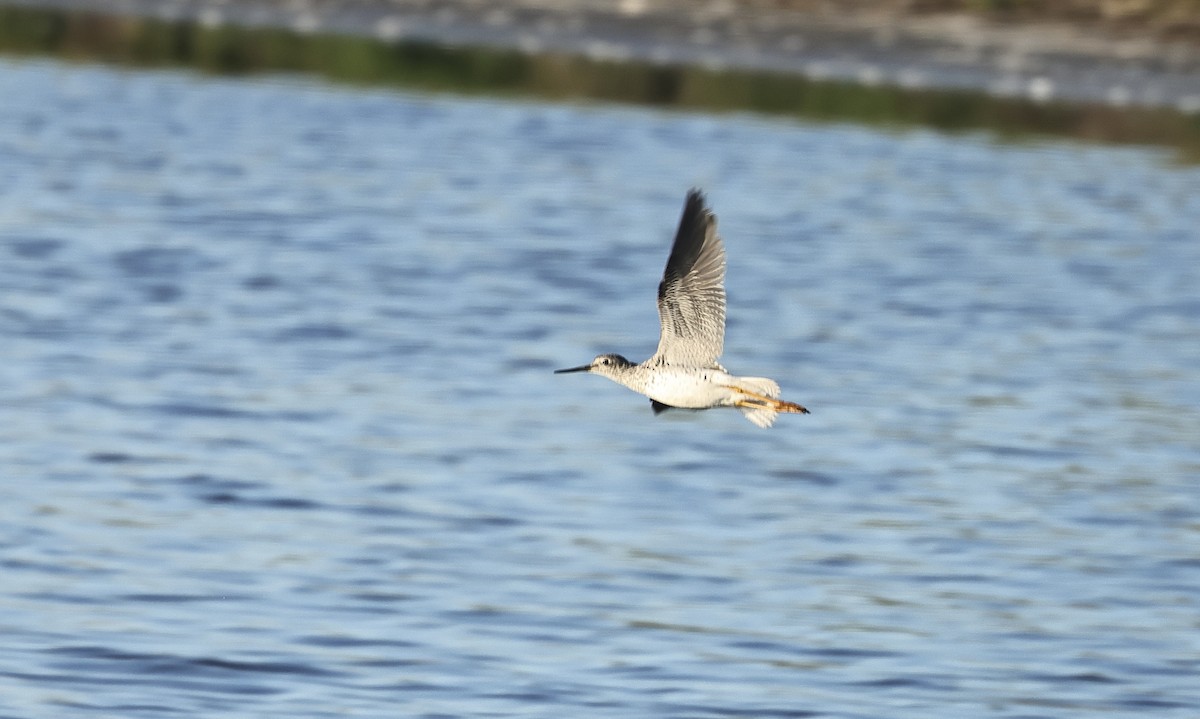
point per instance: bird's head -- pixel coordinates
(607, 365)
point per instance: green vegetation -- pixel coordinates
(427, 67)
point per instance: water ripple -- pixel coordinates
(279, 433)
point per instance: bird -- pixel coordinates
(684, 373)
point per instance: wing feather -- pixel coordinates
(691, 296)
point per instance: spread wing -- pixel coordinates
(691, 296)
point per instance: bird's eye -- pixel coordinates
(605, 361)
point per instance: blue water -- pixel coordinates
(279, 437)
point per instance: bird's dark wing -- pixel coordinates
(691, 296)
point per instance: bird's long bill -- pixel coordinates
(580, 368)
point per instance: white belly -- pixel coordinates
(690, 389)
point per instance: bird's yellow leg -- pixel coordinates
(757, 401)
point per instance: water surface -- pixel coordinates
(279, 434)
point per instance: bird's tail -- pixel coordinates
(759, 400)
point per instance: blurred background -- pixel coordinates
(282, 285)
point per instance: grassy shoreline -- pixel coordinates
(432, 67)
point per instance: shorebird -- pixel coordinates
(684, 372)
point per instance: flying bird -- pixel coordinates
(684, 372)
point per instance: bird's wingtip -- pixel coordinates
(696, 203)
